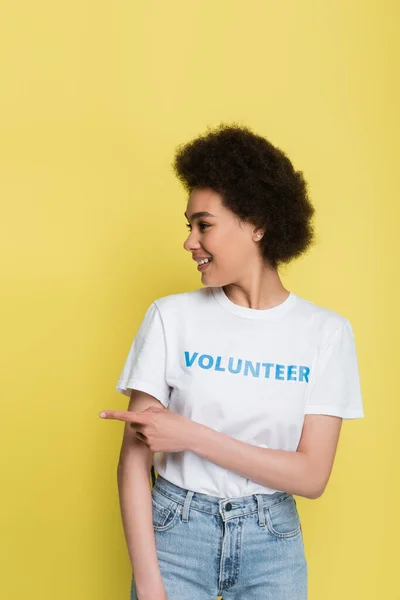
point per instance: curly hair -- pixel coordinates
(257, 182)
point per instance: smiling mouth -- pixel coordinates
(203, 266)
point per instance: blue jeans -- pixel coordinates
(249, 547)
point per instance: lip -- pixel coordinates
(203, 267)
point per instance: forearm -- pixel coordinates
(283, 470)
(136, 511)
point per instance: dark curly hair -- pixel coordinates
(256, 181)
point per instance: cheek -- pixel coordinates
(230, 251)
(229, 246)
(235, 245)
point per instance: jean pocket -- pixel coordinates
(282, 519)
(166, 512)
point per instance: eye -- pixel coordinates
(205, 225)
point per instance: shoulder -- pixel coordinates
(183, 301)
(321, 319)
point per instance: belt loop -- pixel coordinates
(261, 516)
(186, 506)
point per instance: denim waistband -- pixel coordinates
(233, 506)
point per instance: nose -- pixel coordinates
(191, 243)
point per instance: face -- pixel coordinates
(218, 233)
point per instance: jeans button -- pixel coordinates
(228, 506)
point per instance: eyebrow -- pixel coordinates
(198, 215)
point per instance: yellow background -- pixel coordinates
(95, 96)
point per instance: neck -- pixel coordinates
(259, 290)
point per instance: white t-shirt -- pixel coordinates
(251, 374)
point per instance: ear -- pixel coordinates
(257, 234)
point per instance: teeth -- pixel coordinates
(203, 261)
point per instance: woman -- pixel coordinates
(257, 381)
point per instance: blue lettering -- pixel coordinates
(238, 368)
(267, 368)
(218, 364)
(190, 361)
(303, 371)
(206, 361)
(204, 357)
(249, 365)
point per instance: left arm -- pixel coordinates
(304, 472)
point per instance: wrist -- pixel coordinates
(195, 433)
(155, 589)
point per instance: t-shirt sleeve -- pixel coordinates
(145, 366)
(335, 386)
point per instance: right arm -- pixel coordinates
(133, 476)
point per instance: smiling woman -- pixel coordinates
(262, 376)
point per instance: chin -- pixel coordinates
(213, 282)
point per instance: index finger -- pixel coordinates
(121, 415)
